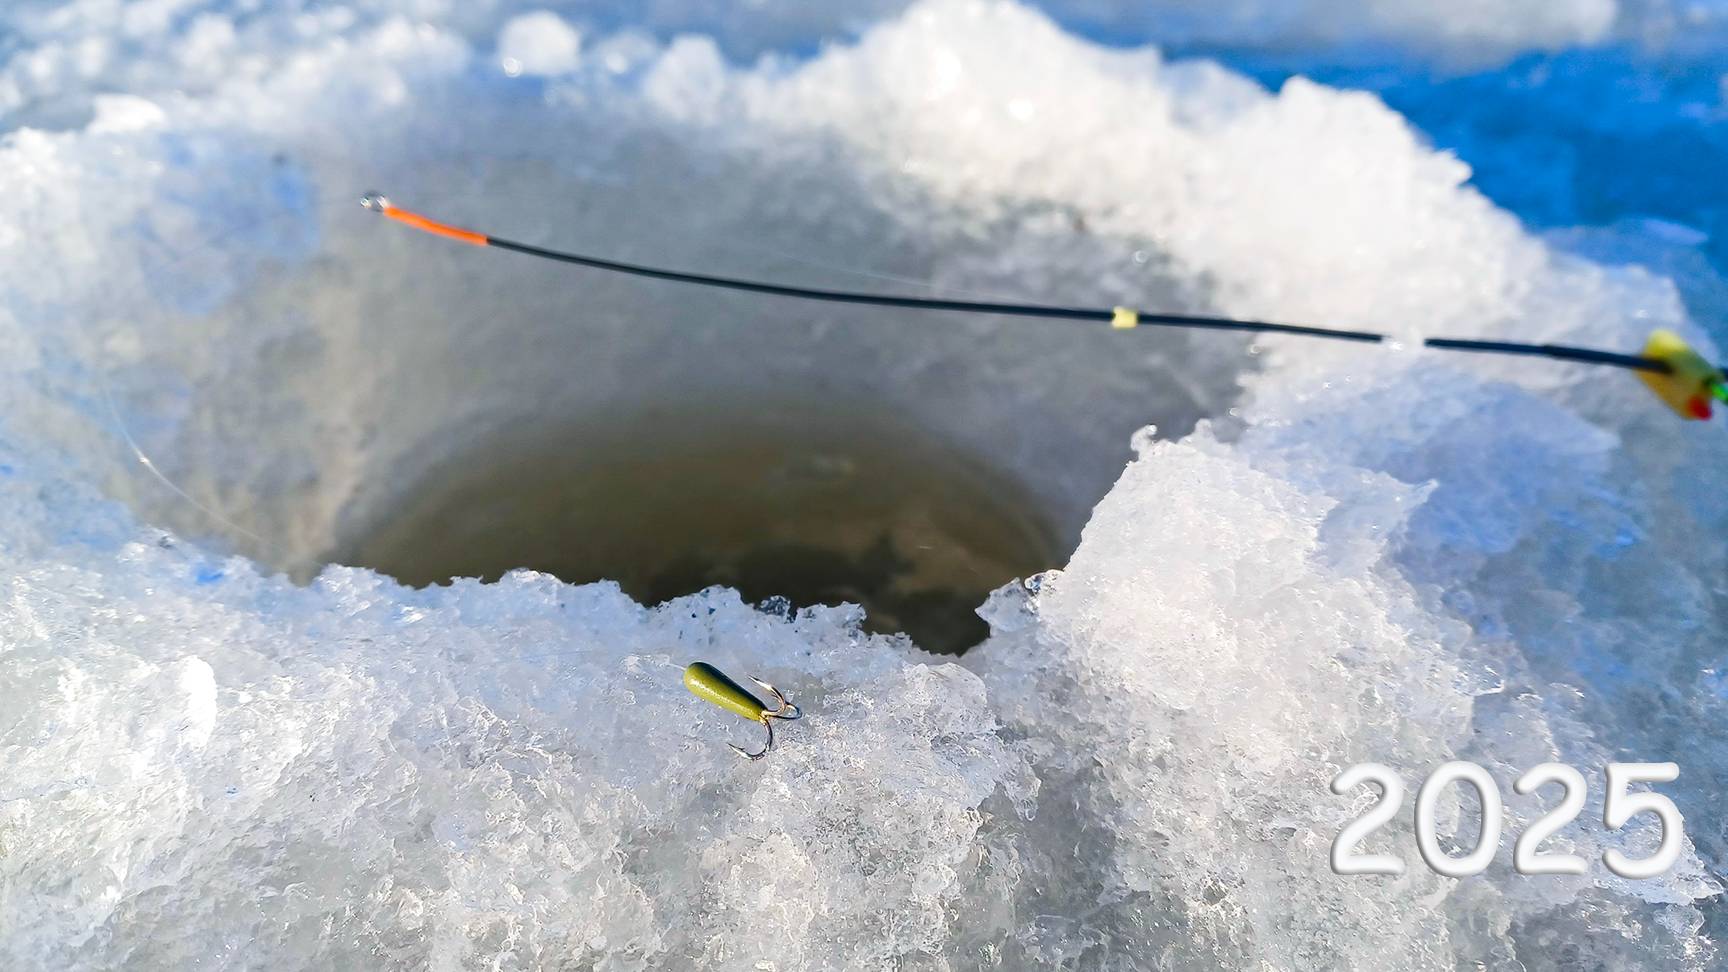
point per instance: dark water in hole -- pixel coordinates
(817, 508)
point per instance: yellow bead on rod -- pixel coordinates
(1690, 382)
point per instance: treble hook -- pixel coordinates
(707, 682)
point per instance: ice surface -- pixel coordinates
(1396, 557)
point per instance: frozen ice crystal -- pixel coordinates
(1364, 556)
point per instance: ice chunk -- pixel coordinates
(1404, 557)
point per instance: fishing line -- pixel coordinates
(289, 561)
(1685, 381)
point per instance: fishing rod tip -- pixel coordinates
(375, 201)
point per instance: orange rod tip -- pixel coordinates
(376, 202)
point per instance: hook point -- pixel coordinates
(786, 710)
(753, 757)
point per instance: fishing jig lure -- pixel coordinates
(711, 684)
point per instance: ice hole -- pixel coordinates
(332, 388)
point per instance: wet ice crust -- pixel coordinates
(1380, 556)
